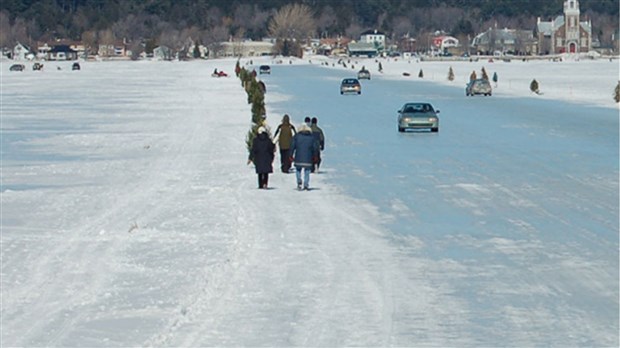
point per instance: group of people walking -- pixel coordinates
(299, 147)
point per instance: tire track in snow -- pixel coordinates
(318, 276)
(99, 255)
(98, 242)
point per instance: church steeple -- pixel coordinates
(571, 13)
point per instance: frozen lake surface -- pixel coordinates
(129, 216)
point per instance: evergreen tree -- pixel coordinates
(421, 74)
(495, 78)
(256, 97)
(451, 74)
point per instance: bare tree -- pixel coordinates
(252, 18)
(381, 19)
(443, 17)
(214, 17)
(215, 34)
(354, 30)
(89, 39)
(172, 39)
(327, 20)
(106, 37)
(293, 21)
(19, 31)
(401, 26)
(5, 29)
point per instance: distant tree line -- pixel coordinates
(149, 23)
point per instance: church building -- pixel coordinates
(566, 33)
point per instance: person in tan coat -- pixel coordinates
(284, 135)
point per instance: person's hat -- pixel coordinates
(261, 130)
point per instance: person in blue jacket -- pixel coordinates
(304, 150)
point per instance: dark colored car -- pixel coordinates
(363, 74)
(17, 67)
(264, 69)
(418, 115)
(350, 85)
(478, 86)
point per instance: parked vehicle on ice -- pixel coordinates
(17, 67)
(478, 86)
(363, 74)
(75, 66)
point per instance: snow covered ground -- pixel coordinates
(129, 217)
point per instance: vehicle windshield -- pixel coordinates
(418, 108)
(349, 81)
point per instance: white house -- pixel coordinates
(374, 37)
(21, 52)
(43, 50)
(163, 53)
(444, 43)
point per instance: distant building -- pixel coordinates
(62, 52)
(505, 41)
(445, 43)
(333, 46)
(163, 53)
(117, 49)
(408, 44)
(566, 33)
(361, 49)
(245, 48)
(373, 37)
(20, 52)
(42, 50)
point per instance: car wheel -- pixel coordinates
(435, 130)
(400, 129)
(341, 92)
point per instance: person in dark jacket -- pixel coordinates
(284, 133)
(262, 154)
(320, 138)
(303, 151)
